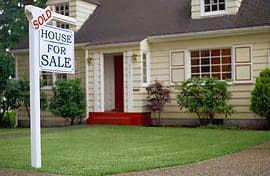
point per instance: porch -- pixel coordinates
(120, 118)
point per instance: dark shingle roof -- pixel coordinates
(97, 2)
(116, 21)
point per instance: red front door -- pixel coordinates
(118, 82)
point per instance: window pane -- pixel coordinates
(205, 61)
(226, 52)
(214, 8)
(226, 76)
(221, 1)
(195, 70)
(195, 54)
(205, 69)
(205, 53)
(207, 8)
(215, 53)
(61, 76)
(226, 68)
(217, 76)
(215, 68)
(195, 62)
(206, 1)
(47, 78)
(226, 60)
(216, 60)
(221, 6)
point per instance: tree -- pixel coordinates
(8, 101)
(68, 100)
(206, 97)
(13, 23)
(157, 96)
(260, 96)
(6, 71)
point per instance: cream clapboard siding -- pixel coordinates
(160, 67)
(81, 11)
(78, 9)
(232, 7)
(22, 72)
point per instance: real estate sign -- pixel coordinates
(56, 49)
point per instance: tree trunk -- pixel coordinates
(72, 121)
(158, 117)
(27, 110)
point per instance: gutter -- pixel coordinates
(26, 50)
(112, 45)
(216, 33)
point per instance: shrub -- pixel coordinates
(260, 96)
(157, 96)
(24, 95)
(206, 97)
(68, 100)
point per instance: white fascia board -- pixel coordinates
(26, 50)
(113, 45)
(217, 33)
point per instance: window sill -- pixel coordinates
(46, 88)
(213, 14)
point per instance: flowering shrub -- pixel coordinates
(260, 96)
(206, 97)
(157, 96)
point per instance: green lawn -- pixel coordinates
(101, 150)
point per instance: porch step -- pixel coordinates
(119, 118)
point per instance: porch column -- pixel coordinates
(129, 94)
(101, 82)
(96, 59)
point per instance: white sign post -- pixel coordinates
(37, 18)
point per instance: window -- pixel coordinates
(209, 6)
(144, 62)
(47, 78)
(145, 69)
(64, 10)
(212, 63)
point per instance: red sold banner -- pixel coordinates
(42, 19)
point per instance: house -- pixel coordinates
(125, 45)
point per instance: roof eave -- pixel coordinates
(112, 45)
(206, 34)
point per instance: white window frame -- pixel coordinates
(54, 79)
(145, 84)
(212, 13)
(214, 48)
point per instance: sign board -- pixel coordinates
(56, 49)
(42, 18)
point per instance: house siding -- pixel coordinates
(78, 9)
(22, 72)
(160, 66)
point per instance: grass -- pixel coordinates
(102, 150)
